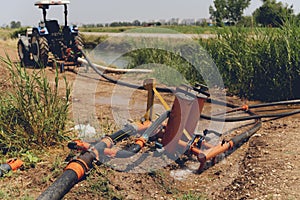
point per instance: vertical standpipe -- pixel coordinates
(149, 84)
(177, 122)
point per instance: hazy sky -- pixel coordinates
(100, 11)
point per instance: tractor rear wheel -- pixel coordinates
(40, 50)
(23, 54)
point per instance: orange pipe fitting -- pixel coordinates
(221, 148)
(14, 164)
(108, 141)
(141, 142)
(77, 168)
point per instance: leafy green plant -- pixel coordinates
(30, 158)
(32, 115)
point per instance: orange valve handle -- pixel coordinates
(15, 164)
(79, 145)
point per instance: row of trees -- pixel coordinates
(228, 10)
(118, 24)
(15, 24)
(271, 13)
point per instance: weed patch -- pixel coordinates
(32, 115)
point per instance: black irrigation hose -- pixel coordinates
(247, 134)
(69, 178)
(130, 85)
(4, 168)
(245, 118)
(60, 187)
(279, 103)
(126, 131)
(221, 103)
(135, 148)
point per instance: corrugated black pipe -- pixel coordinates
(60, 187)
(68, 179)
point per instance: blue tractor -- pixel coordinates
(49, 38)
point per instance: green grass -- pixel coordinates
(91, 41)
(180, 29)
(192, 196)
(32, 115)
(9, 33)
(168, 67)
(172, 29)
(5, 33)
(192, 29)
(107, 29)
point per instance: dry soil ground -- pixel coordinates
(265, 167)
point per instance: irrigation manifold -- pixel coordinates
(173, 132)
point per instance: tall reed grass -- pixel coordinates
(262, 64)
(32, 114)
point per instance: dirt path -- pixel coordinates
(265, 167)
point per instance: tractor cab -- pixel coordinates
(49, 36)
(52, 27)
